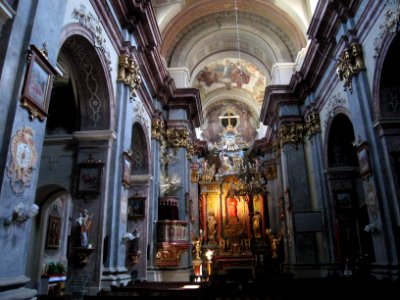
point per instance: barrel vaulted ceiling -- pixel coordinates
(212, 39)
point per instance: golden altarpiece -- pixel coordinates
(232, 210)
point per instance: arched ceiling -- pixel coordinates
(217, 40)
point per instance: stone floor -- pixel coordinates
(268, 289)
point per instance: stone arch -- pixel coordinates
(349, 213)
(386, 86)
(340, 151)
(91, 78)
(55, 205)
(85, 75)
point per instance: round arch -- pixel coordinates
(91, 77)
(49, 239)
(140, 150)
(348, 212)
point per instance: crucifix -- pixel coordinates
(230, 118)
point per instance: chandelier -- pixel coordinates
(251, 180)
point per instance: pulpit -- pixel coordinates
(172, 241)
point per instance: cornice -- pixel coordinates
(274, 96)
(139, 18)
(189, 99)
(329, 15)
(261, 146)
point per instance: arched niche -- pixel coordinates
(51, 231)
(387, 86)
(350, 213)
(140, 151)
(341, 152)
(88, 80)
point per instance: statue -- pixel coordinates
(232, 208)
(85, 222)
(211, 224)
(274, 240)
(197, 245)
(257, 225)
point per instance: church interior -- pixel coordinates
(204, 149)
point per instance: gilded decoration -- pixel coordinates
(129, 73)
(157, 129)
(168, 257)
(271, 172)
(350, 62)
(291, 133)
(195, 174)
(312, 124)
(276, 148)
(180, 138)
(207, 172)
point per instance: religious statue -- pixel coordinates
(257, 225)
(85, 222)
(222, 245)
(232, 209)
(274, 241)
(197, 245)
(211, 225)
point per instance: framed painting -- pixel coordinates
(136, 206)
(38, 84)
(363, 160)
(53, 233)
(343, 199)
(126, 169)
(89, 178)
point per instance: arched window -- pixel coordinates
(140, 164)
(341, 152)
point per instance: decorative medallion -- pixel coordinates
(24, 156)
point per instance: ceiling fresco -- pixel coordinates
(231, 49)
(231, 73)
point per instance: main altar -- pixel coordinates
(233, 216)
(233, 210)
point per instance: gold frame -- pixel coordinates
(53, 232)
(136, 206)
(38, 84)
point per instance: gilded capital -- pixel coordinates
(291, 133)
(276, 148)
(312, 124)
(129, 72)
(350, 62)
(271, 172)
(157, 129)
(178, 138)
